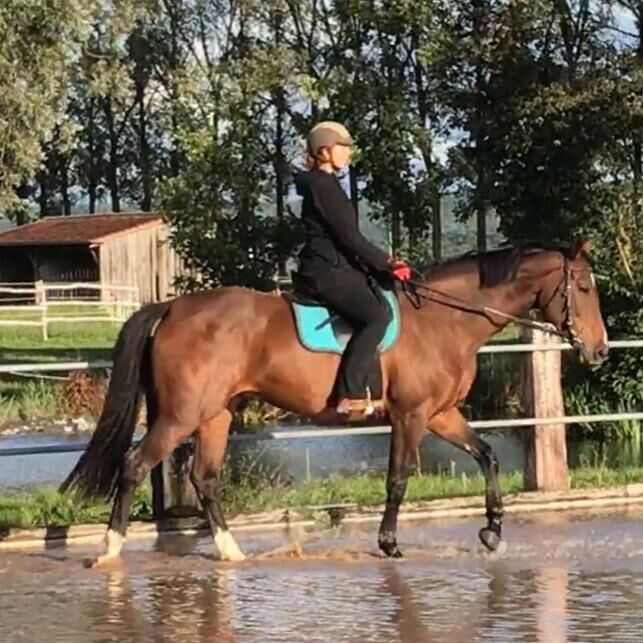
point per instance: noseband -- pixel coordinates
(568, 330)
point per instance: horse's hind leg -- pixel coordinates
(161, 439)
(211, 442)
(451, 426)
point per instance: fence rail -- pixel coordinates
(550, 420)
(51, 367)
(330, 432)
(113, 303)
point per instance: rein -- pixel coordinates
(567, 332)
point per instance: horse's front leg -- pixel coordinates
(407, 431)
(451, 426)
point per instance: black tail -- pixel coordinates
(96, 473)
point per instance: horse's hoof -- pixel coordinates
(388, 544)
(228, 548)
(391, 551)
(489, 538)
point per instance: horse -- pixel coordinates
(195, 356)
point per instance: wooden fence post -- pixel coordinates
(41, 300)
(546, 449)
(172, 492)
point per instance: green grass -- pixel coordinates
(46, 508)
(23, 398)
(69, 342)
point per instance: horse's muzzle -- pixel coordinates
(596, 356)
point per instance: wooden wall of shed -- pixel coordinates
(142, 258)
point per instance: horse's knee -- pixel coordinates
(134, 467)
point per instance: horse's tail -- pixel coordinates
(96, 473)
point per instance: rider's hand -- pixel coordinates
(400, 269)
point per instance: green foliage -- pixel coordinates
(47, 508)
(38, 39)
(263, 492)
(531, 110)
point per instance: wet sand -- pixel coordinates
(563, 577)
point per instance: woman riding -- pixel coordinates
(337, 262)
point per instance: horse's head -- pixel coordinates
(569, 301)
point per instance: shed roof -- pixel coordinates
(81, 229)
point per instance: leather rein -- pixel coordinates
(420, 292)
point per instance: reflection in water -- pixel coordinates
(579, 594)
(552, 587)
(415, 626)
(186, 607)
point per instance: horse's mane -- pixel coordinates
(500, 265)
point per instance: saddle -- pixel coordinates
(320, 329)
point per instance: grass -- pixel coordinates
(46, 508)
(66, 342)
(23, 398)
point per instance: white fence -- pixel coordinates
(370, 430)
(544, 448)
(41, 304)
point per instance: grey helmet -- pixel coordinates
(327, 134)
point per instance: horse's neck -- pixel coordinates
(474, 328)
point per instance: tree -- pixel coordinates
(220, 205)
(38, 41)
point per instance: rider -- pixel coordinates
(336, 261)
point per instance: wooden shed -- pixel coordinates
(112, 249)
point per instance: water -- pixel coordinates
(572, 577)
(295, 459)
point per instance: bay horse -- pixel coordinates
(195, 355)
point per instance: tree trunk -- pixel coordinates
(64, 185)
(112, 166)
(144, 148)
(174, 117)
(480, 10)
(279, 150)
(43, 197)
(91, 149)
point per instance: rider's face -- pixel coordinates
(336, 157)
(340, 155)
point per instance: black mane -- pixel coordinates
(500, 266)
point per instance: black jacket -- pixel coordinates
(334, 246)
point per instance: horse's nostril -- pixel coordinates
(602, 352)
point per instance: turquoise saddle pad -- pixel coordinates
(321, 331)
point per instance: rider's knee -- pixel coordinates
(381, 319)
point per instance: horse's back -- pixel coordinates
(226, 303)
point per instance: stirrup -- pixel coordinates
(365, 406)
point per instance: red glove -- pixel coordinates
(400, 269)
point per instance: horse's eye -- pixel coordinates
(583, 286)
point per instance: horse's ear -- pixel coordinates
(581, 247)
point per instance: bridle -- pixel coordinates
(420, 292)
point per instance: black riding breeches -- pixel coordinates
(354, 300)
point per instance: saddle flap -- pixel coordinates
(321, 330)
